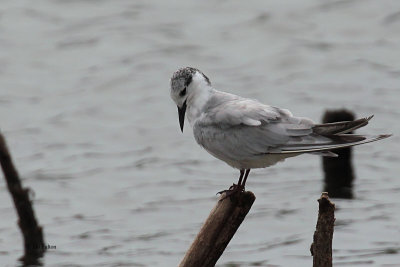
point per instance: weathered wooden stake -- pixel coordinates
(338, 172)
(218, 230)
(321, 248)
(31, 231)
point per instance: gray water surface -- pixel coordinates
(85, 108)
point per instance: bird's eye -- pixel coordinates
(183, 92)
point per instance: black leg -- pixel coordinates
(241, 177)
(245, 178)
(235, 187)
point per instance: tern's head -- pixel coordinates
(184, 82)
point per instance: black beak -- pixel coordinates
(181, 113)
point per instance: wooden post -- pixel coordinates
(218, 230)
(321, 248)
(31, 231)
(339, 174)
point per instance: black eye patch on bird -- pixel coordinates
(188, 81)
(183, 92)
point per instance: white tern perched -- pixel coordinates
(247, 134)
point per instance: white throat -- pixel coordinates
(198, 95)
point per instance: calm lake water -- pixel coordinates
(85, 108)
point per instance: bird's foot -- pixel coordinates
(231, 191)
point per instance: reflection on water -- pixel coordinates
(85, 107)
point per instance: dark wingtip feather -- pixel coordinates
(383, 136)
(340, 127)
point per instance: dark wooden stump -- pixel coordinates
(218, 230)
(31, 231)
(338, 172)
(321, 248)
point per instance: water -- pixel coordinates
(85, 108)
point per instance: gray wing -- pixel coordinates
(243, 127)
(227, 110)
(240, 128)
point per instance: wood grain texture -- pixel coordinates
(321, 248)
(219, 228)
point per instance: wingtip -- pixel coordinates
(383, 136)
(369, 118)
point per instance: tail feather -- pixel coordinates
(336, 141)
(340, 127)
(326, 153)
